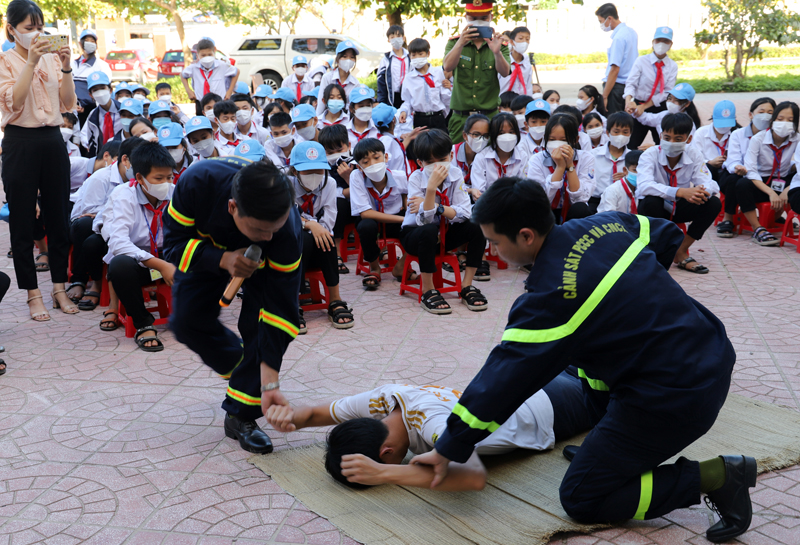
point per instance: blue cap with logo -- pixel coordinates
(284, 93)
(724, 114)
(250, 149)
(312, 93)
(97, 78)
(383, 114)
(345, 45)
(198, 123)
(299, 59)
(242, 88)
(159, 106)
(537, 105)
(663, 32)
(87, 32)
(133, 106)
(263, 91)
(133, 87)
(361, 93)
(303, 112)
(308, 155)
(683, 91)
(170, 134)
(122, 86)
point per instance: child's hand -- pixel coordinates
(695, 195)
(717, 161)
(403, 116)
(568, 154)
(280, 417)
(414, 203)
(360, 469)
(175, 109)
(740, 170)
(558, 157)
(618, 176)
(447, 84)
(639, 110)
(168, 273)
(344, 170)
(321, 236)
(439, 175)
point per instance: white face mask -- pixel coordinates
(66, 134)
(346, 64)
(261, 101)
(333, 158)
(506, 142)
(375, 172)
(536, 132)
(604, 27)
(129, 173)
(430, 167)
(243, 117)
(207, 62)
(479, 23)
(672, 149)
(521, 47)
(419, 62)
(723, 130)
(89, 47)
(582, 104)
(166, 98)
(101, 97)
(595, 132)
(397, 43)
(537, 96)
(159, 191)
(148, 136)
(364, 114)
(308, 133)
(139, 97)
(477, 144)
(554, 145)
(673, 107)
(783, 129)
(761, 121)
(283, 141)
(311, 181)
(520, 121)
(660, 48)
(210, 114)
(25, 40)
(228, 127)
(177, 156)
(205, 147)
(619, 140)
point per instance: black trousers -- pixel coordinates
(571, 415)
(747, 194)
(344, 217)
(325, 260)
(93, 251)
(435, 121)
(593, 203)
(368, 233)
(615, 102)
(423, 242)
(701, 215)
(398, 100)
(727, 185)
(5, 283)
(79, 231)
(36, 161)
(128, 278)
(577, 210)
(794, 200)
(640, 131)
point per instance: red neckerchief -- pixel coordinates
(444, 200)
(206, 87)
(108, 127)
(308, 203)
(777, 159)
(466, 169)
(178, 175)
(361, 136)
(630, 195)
(501, 169)
(659, 82)
(562, 192)
(516, 75)
(428, 80)
(723, 147)
(378, 198)
(403, 149)
(156, 224)
(402, 68)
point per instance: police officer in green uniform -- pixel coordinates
(475, 63)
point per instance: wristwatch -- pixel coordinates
(270, 386)
(571, 169)
(440, 210)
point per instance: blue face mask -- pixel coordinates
(631, 177)
(126, 124)
(161, 121)
(335, 106)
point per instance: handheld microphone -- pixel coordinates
(253, 253)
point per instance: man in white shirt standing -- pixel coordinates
(621, 55)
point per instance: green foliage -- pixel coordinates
(678, 55)
(782, 82)
(370, 81)
(276, 15)
(433, 10)
(179, 95)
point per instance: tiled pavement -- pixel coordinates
(101, 443)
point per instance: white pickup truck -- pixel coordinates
(271, 56)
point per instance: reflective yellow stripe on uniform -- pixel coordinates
(243, 397)
(188, 253)
(472, 421)
(284, 268)
(177, 216)
(594, 383)
(276, 321)
(602, 289)
(645, 496)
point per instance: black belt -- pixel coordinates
(473, 112)
(430, 114)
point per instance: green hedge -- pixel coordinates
(675, 54)
(781, 82)
(179, 95)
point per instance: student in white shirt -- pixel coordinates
(712, 140)
(423, 94)
(621, 195)
(609, 159)
(226, 139)
(304, 120)
(393, 68)
(260, 98)
(141, 127)
(208, 74)
(164, 92)
(437, 199)
(594, 127)
(129, 110)
(299, 82)
(733, 168)
(336, 112)
(160, 113)
(651, 78)
(315, 196)
(337, 150)
(346, 58)
(376, 429)
(584, 140)
(122, 91)
(360, 125)
(770, 161)
(565, 173)
(385, 119)
(245, 126)
(591, 101)
(674, 183)
(284, 98)
(518, 106)
(201, 137)
(171, 137)
(679, 99)
(502, 158)
(136, 236)
(537, 114)
(68, 122)
(520, 76)
(207, 108)
(474, 140)
(552, 97)
(284, 138)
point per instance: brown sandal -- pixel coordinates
(115, 323)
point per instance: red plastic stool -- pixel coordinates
(501, 265)
(788, 236)
(392, 246)
(682, 227)
(164, 300)
(317, 299)
(105, 294)
(352, 248)
(439, 282)
(766, 217)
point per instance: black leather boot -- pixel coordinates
(251, 438)
(732, 501)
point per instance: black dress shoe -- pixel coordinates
(251, 438)
(570, 451)
(732, 501)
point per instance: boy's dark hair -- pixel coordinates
(471, 120)
(632, 157)
(111, 147)
(129, 144)
(496, 126)
(358, 436)
(782, 106)
(163, 85)
(550, 92)
(394, 29)
(679, 123)
(512, 205)
(224, 107)
(70, 117)
(333, 137)
(507, 98)
(208, 98)
(607, 10)
(520, 102)
(205, 43)
(759, 101)
(241, 97)
(19, 10)
(592, 92)
(433, 144)
(419, 45)
(517, 31)
(619, 119)
(308, 99)
(537, 114)
(148, 155)
(566, 122)
(570, 110)
(326, 94)
(367, 146)
(267, 192)
(136, 120)
(591, 116)
(287, 104)
(280, 119)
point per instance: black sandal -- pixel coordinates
(431, 300)
(302, 328)
(40, 265)
(762, 237)
(342, 267)
(471, 295)
(10, 254)
(77, 285)
(338, 310)
(141, 340)
(88, 304)
(114, 323)
(483, 273)
(725, 229)
(3, 370)
(698, 269)
(371, 282)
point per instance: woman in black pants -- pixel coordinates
(36, 87)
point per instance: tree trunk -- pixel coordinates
(727, 66)
(737, 68)
(394, 17)
(187, 52)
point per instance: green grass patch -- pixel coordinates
(757, 83)
(677, 55)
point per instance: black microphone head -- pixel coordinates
(253, 253)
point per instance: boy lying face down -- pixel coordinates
(376, 429)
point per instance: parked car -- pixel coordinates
(132, 65)
(171, 64)
(271, 56)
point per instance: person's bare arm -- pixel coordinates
(381, 216)
(460, 477)
(286, 418)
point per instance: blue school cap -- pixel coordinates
(7, 45)
(345, 45)
(159, 106)
(537, 105)
(87, 32)
(97, 78)
(133, 106)
(361, 93)
(170, 134)
(308, 155)
(198, 123)
(122, 86)
(299, 59)
(303, 112)
(312, 93)
(284, 93)
(683, 91)
(133, 87)
(383, 114)
(724, 114)
(250, 149)
(263, 91)
(242, 88)
(663, 32)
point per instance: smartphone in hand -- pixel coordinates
(484, 32)
(56, 42)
